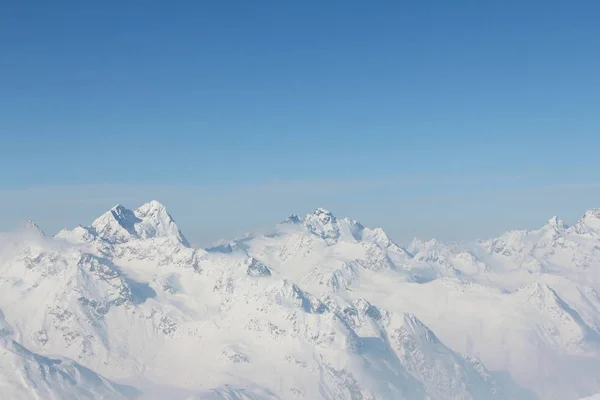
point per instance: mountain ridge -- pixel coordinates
(331, 308)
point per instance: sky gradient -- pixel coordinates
(434, 119)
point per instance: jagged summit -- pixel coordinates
(157, 222)
(556, 223)
(323, 224)
(593, 213)
(589, 223)
(292, 219)
(324, 215)
(117, 225)
(120, 225)
(325, 307)
(30, 226)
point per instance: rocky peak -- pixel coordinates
(556, 223)
(589, 223)
(31, 227)
(292, 219)
(323, 224)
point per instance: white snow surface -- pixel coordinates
(26, 375)
(321, 308)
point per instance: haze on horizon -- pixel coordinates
(455, 120)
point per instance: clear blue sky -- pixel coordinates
(433, 118)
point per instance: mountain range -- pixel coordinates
(319, 308)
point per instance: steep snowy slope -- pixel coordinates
(26, 375)
(321, 308)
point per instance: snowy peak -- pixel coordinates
(117, 225)
(155, 221)
(556, 223)
(150, 208)
(335, 303)
(31, 227)
(292, 219)
(324, 215)
(378, 236)
(589, 223)
(151, 220)
(593, 214)
(323, 224)
(255, 268)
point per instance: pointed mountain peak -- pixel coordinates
(119, 208)
(589, 223)
(556, 223)
(380, 237)
(323, 215)
(151, 207)
(120, 224)
(122, 215)
(30, 226)
(117, 225)
(323, 224)
(119, 212)
(155, 221)
(255, 268)
(292, 219)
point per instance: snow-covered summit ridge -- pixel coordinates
(292, 219)
(323, 224)
(157, 222)
(120, 225)
(322, 307)
(589, 224)
(556, 223)
(31, 227)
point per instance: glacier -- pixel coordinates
(320, 307)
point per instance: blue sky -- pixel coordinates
(448, 119)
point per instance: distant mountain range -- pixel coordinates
(320, 308)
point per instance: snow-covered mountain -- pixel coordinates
(320, 308)
(27, 375)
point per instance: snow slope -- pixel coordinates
(26, 375)
(320, 308)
